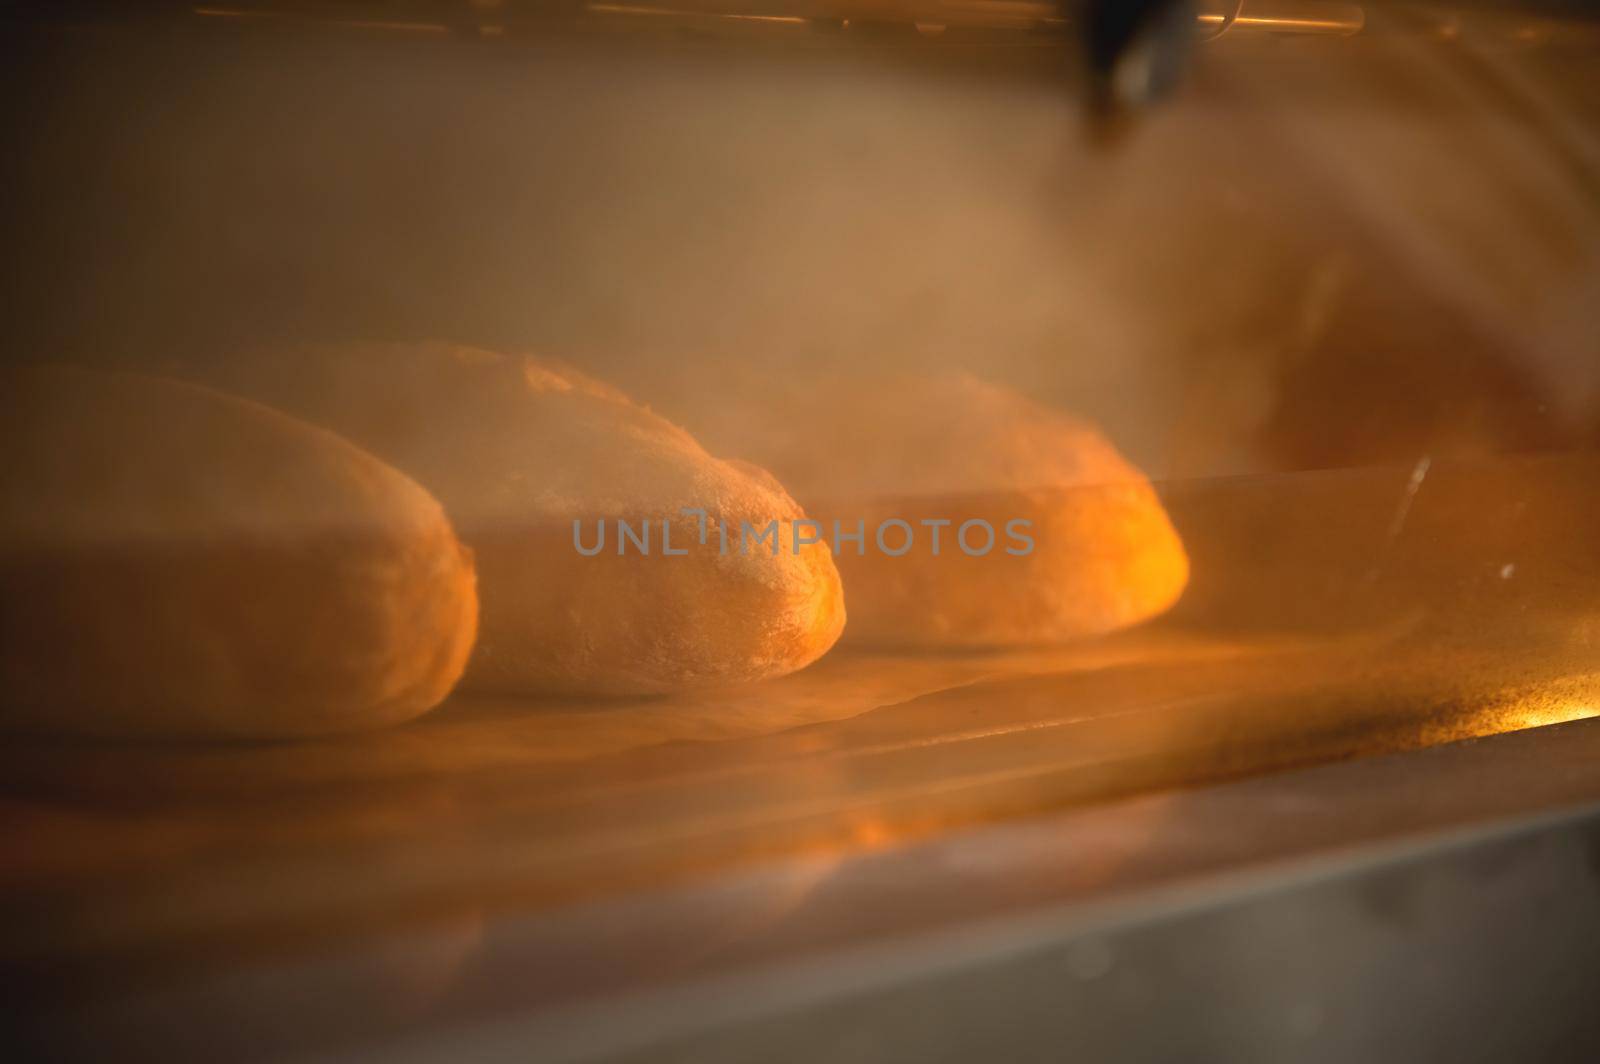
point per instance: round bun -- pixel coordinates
(530, 458)
(178, 561)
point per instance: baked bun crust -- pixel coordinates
(947, 447)
(174, 560)
(518, 449)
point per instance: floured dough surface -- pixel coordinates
(178, 561)
(946, 447)
(518, 449)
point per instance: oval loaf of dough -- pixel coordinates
(937, 451)
(519, 449)
(178, 561)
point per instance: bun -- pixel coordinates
(1081, 544)
(520, 451)
(174, 560)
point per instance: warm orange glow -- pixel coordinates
(1517, 714)
(1536, 715)
(872, 833)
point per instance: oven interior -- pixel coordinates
(1333, 293)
